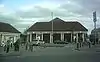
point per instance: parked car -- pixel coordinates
(2, 44)
(38, 42)
(60, 42)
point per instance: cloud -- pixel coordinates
(43, 12)
(6, 15)
(35, 12)
(91, 5)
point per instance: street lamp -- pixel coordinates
(94, 20)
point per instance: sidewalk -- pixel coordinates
(24, 53)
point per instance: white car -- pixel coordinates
(38, 42)
(2, 45)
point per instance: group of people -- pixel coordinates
(81, 44)
(9, 45)
(31, 45)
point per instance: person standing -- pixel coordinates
(27, 44)
(11, 44)
(17, 44)
(8, 46)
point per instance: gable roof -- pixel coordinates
(5, 27)
(58, 25)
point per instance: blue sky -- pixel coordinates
(23, 13)
(15, 4)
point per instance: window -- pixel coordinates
(40, 35)
(33, 37)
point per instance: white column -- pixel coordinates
(14, 39)
(27, 37)
(42, 36)
(62, 36)
(2, 37)
(36, 36)
(83, 37)
(71, 37)
(51, 38)
(77, 38)
(30, 37)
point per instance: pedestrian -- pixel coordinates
(4, 45)
(31, 46)
(11, 44)
(77, 44)
(16, 45)
(80, 41)
(8, 46)
(27, 43)
(89, 43)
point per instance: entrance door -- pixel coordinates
(46, 38)
(67, 37)
(56, 36)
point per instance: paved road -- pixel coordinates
(53, 54)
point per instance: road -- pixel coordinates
(56, 54)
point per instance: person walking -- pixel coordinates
(5, 45)
(8, 46)
(77, 46)
(79, 43)
(89, 43)
(31, 46)
(26, 46)
(16, 45)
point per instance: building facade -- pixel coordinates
(56, 29)
(7, 32)
(95, 35)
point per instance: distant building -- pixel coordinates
(8, 32)
(95, 34)
(62, 30)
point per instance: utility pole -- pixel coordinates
(94, 20)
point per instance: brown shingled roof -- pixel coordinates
(5, 27)
(58, 25)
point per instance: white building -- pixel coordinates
(8, 32)
(56, 29)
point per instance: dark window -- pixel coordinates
(33, 37)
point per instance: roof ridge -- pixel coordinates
(4, 23)
(57, 19)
